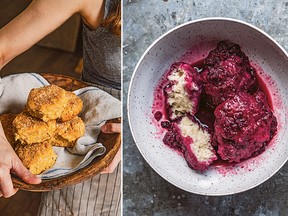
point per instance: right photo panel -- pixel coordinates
(205, 107)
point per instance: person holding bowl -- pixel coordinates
(101, 66)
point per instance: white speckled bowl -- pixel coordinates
(198, 37)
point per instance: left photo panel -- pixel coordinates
(60, 107)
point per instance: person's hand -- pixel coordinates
(112, 128)
(11, 163)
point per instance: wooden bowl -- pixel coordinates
(112, 142)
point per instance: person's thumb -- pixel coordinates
(21, 171)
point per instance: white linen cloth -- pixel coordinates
(98, 107)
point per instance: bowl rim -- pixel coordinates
(238, 21)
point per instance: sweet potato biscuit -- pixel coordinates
(68, 132)
(29, 130)
(37, 157)
(47, 103)
(7, 124)
(73, 107)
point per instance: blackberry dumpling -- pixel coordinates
(183, 91)
(227, 72)
(193, 140)
(244, 125)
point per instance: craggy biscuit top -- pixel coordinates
(72, 129)
(47, 103)
(72, 108)
(29, 130)
(68, 132)
(37, 157)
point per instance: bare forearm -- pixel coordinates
(39, 19)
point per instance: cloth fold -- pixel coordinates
(98, 107)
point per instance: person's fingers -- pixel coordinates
(6, 184)
(111, 128)
(21, 171)
(114, 163)
(1, 194)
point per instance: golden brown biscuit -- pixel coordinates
(68, 132)
(7, 124)
(37, 157)
(47, 103)
(29, 130)
(73, 107)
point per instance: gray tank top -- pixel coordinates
(102, 55)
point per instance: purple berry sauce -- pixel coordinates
(233, 103)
